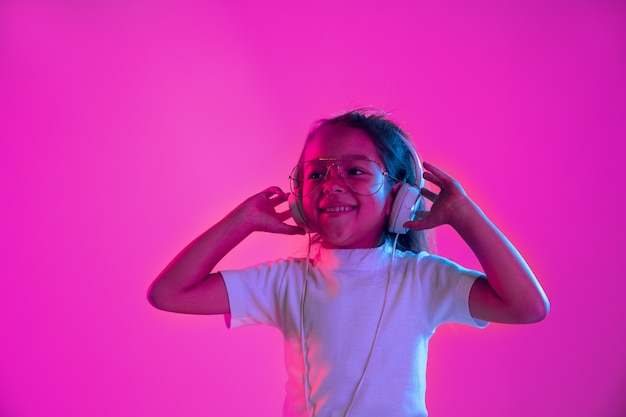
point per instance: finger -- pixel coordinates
(430, 177)
(287, 229)
(420, 214)
(278, 199)
(432, 196)
(420, 224)
(433, 168)
(275, 195)
(436, 173)
(415, 225)
(271, 191)
(284, 215)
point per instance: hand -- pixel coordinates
(259, 212)
(448, 206)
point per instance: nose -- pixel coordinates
(333, 182)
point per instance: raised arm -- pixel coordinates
(511, 293)
(188, 284)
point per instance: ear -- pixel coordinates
(391, 197)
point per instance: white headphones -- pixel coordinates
(404, 204)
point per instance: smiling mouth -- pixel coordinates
(338, 209)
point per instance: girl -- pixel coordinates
(356, 317)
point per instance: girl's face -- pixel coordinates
(342, 217)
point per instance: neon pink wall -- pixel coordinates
(129, 127)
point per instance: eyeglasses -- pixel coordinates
(361, 175)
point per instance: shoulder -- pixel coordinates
(276, 265)
(423, 260)
(434, 269)
(267, 281)
(275, 271)
(432, 262)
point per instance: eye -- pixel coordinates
(355, 171)
(315, 175)
(314, 171)
(358, 168)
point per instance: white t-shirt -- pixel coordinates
(345, 293)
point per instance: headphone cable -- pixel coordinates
(307, 388)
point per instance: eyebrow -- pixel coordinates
(351, 156)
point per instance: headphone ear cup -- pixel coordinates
(297, 212)
(403, 208)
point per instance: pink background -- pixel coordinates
(129, 127)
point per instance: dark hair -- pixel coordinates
(387, 137)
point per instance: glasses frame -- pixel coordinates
(329, 163)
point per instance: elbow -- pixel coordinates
(164, 298)
(152, 298)
(534, 313)
(544, 310)
(156, 299)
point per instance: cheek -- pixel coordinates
(309, 206)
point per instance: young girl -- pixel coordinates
(357, 316)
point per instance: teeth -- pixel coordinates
(337, 209)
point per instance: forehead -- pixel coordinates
(337, 141)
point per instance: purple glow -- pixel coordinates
(129, 128)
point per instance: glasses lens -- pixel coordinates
(307, 176)
(363, 176)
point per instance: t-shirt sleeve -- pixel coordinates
(447, 286)
(254, 294)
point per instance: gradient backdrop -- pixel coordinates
(129, 127)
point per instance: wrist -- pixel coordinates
(240, 221)
(465, 214)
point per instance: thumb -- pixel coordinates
(420, 224)
(286, 229)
